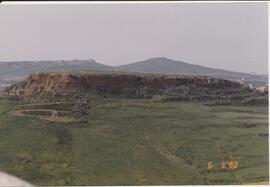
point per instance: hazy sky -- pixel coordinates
(231, 36)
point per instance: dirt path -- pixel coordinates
(36, 104)
(63, 119)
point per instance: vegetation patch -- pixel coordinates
(114, 141)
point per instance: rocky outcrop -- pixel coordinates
(126, 85)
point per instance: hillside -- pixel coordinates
(24, 68)
(123, 128)
(168, 66)
(125, 141)
(129, 86)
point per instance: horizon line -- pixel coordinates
(89, 59)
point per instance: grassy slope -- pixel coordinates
(137, 142)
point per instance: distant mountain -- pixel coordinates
(11, 72)
(24, 68)
(167, 66)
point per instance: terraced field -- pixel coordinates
(134, 142)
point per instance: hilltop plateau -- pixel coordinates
(130, 85)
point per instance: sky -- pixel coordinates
(230, 36)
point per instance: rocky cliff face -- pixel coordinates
(126, 85)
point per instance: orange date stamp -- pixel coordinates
(230, 164)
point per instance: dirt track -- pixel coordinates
(62, 119)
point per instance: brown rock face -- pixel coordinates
(128, 85)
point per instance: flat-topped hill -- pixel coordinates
(130, 85)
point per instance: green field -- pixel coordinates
(134, 142)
